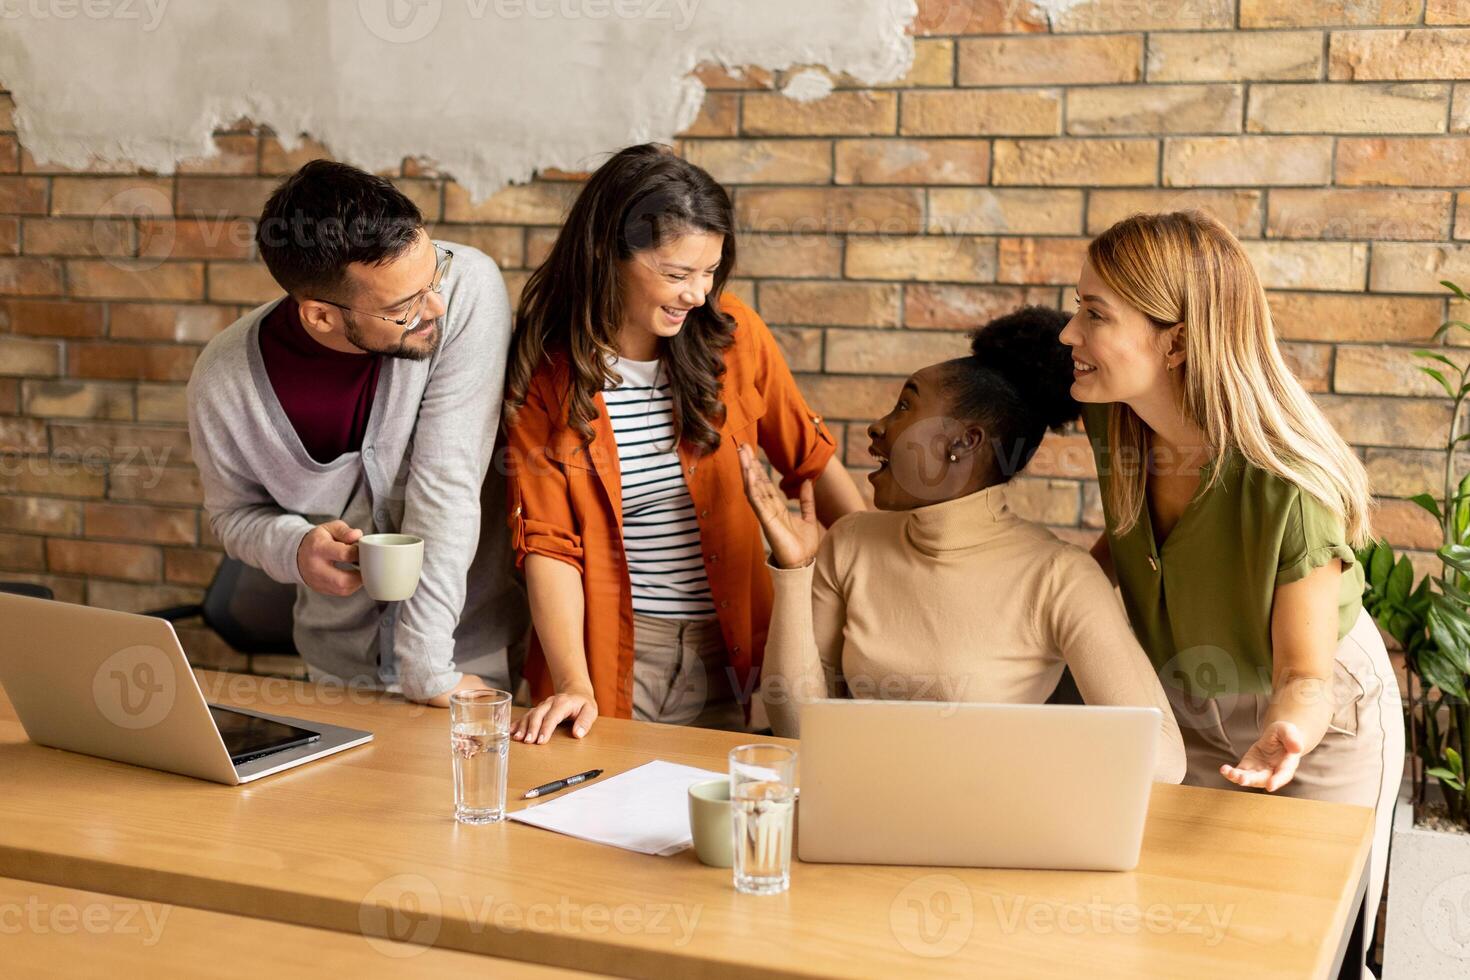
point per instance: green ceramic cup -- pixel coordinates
(709, 820)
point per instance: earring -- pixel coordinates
(953, 458)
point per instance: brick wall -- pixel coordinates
(878, 224)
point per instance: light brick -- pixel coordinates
(1037, 261)
(45, 476)
(40, 515)
(1237, 160)
(1414, 423)
(1462, 214)
(1447, 12)
(78, 236)
(1366, 214)
(1414, 268)
(1345, 317)
(839, 114)
(1063, 456)
(1406, 472)
(977, 17)
(426, 195)
(1357, 108)
(983, 211)
(247, 283)
(22, 436)
(1238, 210)
(140, 279)
(852, 304)
(29, 358)
(124, 197)
(1395, 55)
(947, 258)
(22, 553)
(78, 400)
(539, 203)
(183, 324)
(104, 559)
(1424, 161)
(1332, 266)
(51, 318)
(933, 66)
(188, 566)
(138, 598)
(155, 484)
(131, 362)
(845, 209)
(1076, 162)
(1311, 363)
(857, 397)
(1328, 13)
(197, 237)
(982, 112)
(801, 347)
(162, 403)
(1228, 57)
(1142, 109)
(30, 277)
(235, 154)
(794, 161)
(940, 306)
(1050, 60)
(1405, 524)
(1460, 110)
(719, 115)
(123, 444)
(23, 195)
(7, 113)
(129, 522)
(1090, 16)
(891, 351)
(913, 161)
(1383, 370)
(789, 256)
(216, 197)
(276, 160)
(10, 396)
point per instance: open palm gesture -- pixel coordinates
(1271, 763)
(793, 539)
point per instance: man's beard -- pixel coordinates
(401, 349)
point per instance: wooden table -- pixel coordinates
(1229, 884)
(52, 931)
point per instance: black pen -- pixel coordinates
(552, 787)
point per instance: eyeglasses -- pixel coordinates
(410, 320)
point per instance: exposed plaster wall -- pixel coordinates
(488, 90)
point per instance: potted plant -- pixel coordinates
(1428, 927)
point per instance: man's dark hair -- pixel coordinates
(326, 216)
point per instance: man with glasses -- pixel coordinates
(367, 400)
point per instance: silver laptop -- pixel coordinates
(975, 785)
(117, 685)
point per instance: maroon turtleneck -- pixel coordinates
(327, 394)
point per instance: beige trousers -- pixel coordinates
(1360, 760)
(679, 675)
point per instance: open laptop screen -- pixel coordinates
(248, 737)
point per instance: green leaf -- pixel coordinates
(1437, 672)
(1434, 356)
(1401, 579)
(1453, 288)
(1453, 758)
(1448, 778)
(1449, 389)
(1429, 503)
(1381, 564)
(1456, 556)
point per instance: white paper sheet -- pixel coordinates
(644, 809)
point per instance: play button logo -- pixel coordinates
(400, 21)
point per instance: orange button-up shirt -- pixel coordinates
(565, 502)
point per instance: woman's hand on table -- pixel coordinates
(535, 726)
(794, 539)
(1271, 763)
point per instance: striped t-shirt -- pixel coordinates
(660, 530)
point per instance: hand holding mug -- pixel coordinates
(320, 552)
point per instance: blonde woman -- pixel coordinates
(1231, 510)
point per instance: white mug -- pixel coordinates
(390, 565)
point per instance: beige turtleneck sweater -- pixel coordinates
(957, 601)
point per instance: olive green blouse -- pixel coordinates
(1201, 604)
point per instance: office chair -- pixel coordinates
(247, 608)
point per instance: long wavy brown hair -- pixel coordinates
(639, 199)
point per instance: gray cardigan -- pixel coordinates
(421, 471)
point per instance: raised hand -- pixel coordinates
(793, 539)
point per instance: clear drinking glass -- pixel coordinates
(763, 808)
(479, 740)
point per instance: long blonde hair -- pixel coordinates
(1185, 267)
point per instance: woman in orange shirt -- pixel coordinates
(632, 384)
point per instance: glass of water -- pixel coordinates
(479, 740)
(763, 808)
